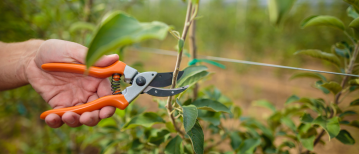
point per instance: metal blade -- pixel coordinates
(164, 79)
(160, 92)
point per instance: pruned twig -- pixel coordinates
(187, 24)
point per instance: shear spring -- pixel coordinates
(115, 84)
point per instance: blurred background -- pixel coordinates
(238, 29)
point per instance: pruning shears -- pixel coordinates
(146, 82)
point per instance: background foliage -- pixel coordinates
(238, 29)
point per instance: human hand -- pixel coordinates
(61, 89)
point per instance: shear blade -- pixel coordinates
(164, 79)
(160, 92)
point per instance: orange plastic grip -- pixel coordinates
(118, 101)
(99, 72)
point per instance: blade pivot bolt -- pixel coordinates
(140, 81)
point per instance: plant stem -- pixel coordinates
(349, 71)
(87, 10)
(317, 139)
(212, 145)
(337, 96)
(178, 63)
(193, 49)
(351, 39)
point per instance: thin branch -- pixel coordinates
(87, 10)
(220, 141)
(350, 38)
(344, 81)
(349, 71)
(212, 145)
(193, 47)
(175, 73)
(317, 139)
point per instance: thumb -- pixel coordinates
(107, 60)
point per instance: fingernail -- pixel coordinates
(111, 55)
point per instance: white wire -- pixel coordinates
(174, 53)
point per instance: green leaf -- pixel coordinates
(309, 75)
(354, 3)
(319, 84)
(345, 137)
(170, 127)
(236, 140)
(209, 116)
(264, 103)
(355, 102)
(190, 114)
(289, 122)
(323, 20)
(119, 30)
(187, 102)
(159, 137)
(308, 143)
(249, 145)
(353, 88)
(315, 104)
(355, 123)
(192, 75)
(352, 13)
(278, 8)
(341, 49)
(197, 138)
(80, 25)
(145, 119)
(253, 124)
(292, 99)
(286, 144)
(354, 82)
(334, 87)
(194, 61)
(213, 63)
(320, 55)
(303, 129)
(180, 45)
(344, 122)
(355, 26)
(331, 126)
(193, 79)
(236, 111)
(347, 113)
(210, 105)
(174, 146)
(306, 118)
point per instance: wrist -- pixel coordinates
(31, 47)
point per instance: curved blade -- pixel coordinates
(164, 79)
(160, 92)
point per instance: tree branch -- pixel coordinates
(337, 96)
(348, 71)
(178, 63)
(193, 49)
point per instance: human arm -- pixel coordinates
(59, 89)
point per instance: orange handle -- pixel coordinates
(118, 101)
(99, 72)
